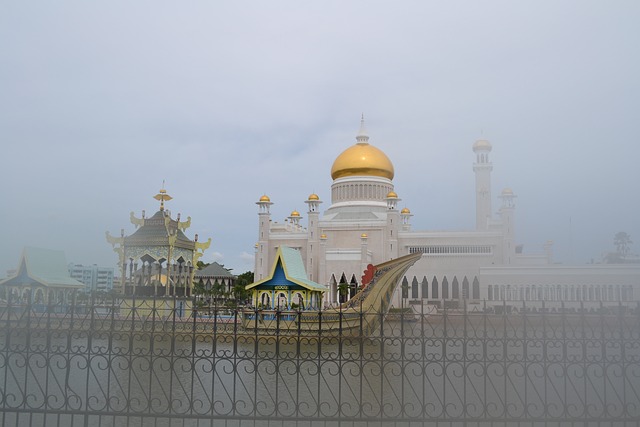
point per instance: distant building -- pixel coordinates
(213, 273)
(94, 278)
(365, 224)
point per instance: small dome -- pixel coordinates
(392, 195)
(507, 192)
(405, 211)
(265, 198)
(482, 144)
(313, 197)
(323, 236)
(364, 235)
(295, 214)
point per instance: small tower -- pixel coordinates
(313, 247)
(507, 216)
(392, 200)
(294, 219)
(393, 226)
(406, 215)
(482, 167)
(264, 219)
(364, 251)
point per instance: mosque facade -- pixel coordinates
(364, 225)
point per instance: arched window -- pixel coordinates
(455, 289)
(465, 288)
(434, 288)
(414, 288)
(445, 288)
(405, 288)
(425, 288)
(476, 288)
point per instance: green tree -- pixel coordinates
(217, 291)
(245, 279)
(343, 290)
(202, 265)
(199, 289)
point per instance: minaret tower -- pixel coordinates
(313, 238)
(393, 226)
(507, 216)
(264, 225)
(482, 167)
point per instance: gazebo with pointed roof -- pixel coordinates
(42, 277)
(158, 258)
(287, 286)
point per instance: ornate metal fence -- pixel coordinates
(151, 362)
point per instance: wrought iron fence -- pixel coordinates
(128, 362)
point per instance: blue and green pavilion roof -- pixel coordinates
(288, 270)
(43, 266)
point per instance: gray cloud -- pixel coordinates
(101, 102)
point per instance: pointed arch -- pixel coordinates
(414, 288)
(405, 287)
(434, 288)
(333, 289)
(353, 286)
(445, 288)
(476, 288)
(465, 288)
(455, 288)
(425, 287)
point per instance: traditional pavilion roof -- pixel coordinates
(214, 270)
(155, 232)
(288, 268)
(45, 267)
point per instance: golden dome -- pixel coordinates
(295, 214)
(507, 192)
(405, 211)
(313, 196)
(362, 159)
(392, 195)
(323, 236)
(364, 235)
(482, 144)
(265, 198)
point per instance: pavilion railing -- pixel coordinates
(127, 362)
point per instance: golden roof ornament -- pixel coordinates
(162, 196)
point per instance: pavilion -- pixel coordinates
(42, 277)
(287, 287)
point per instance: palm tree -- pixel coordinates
(343, 290)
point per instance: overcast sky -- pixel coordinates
(225, 101)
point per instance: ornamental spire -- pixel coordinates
(162, 196)
(362, 137)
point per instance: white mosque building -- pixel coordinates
(363, 225)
